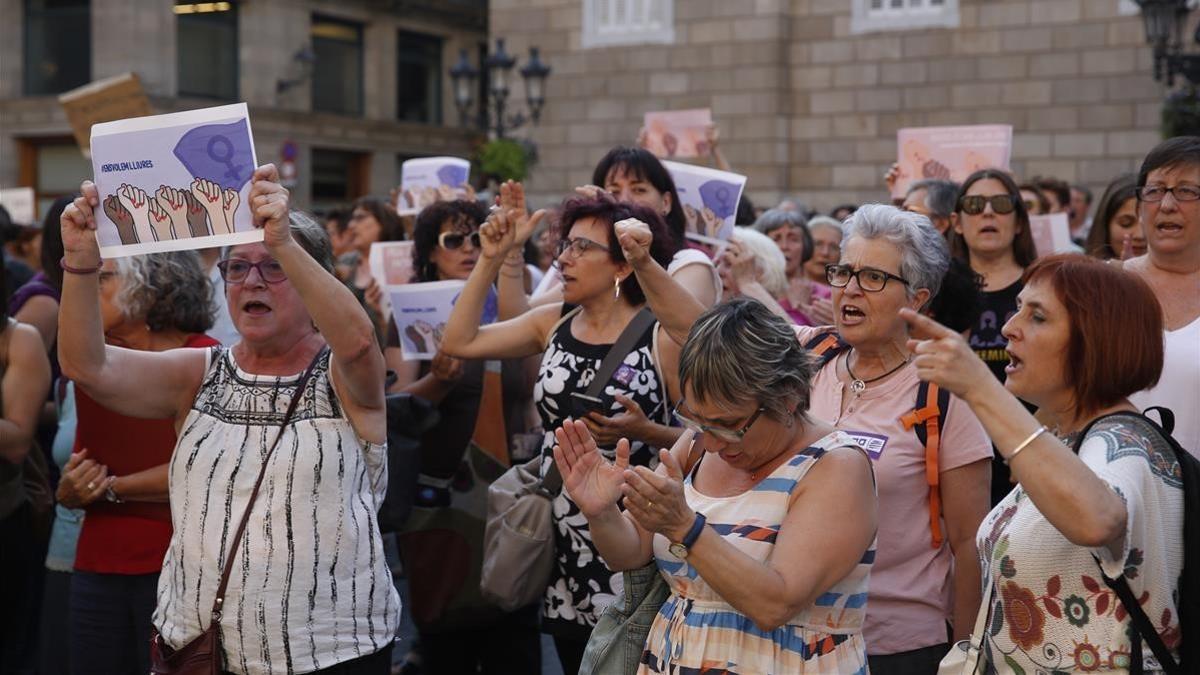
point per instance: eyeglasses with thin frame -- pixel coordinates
(720, 433)
(974, 205)
(578, 246)
(870, 279)
(235, 270)
(454, 240)
(1156, 193)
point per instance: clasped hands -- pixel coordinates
(654, 499)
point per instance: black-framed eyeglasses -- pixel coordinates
(578, 246)
(1156, 193)
(720, 433)
(235, 270)
(973, 205)
(454, 240)
(869, 279)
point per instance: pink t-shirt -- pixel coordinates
(911, 592)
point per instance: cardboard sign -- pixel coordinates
(19, 202)
(425, 180)
(1051, 234)
(174, 182)
(422, 310)
(950, 153)
(114, 98)
(678, 133)
(709, 198)
(391, 262)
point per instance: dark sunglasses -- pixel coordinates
(455, 240)
(974, 205)
(235, 270)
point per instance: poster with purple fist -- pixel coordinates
(421, 311)
(174, 182)
(709, 198)
(426, 180)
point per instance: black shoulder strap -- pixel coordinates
(825, 347)
(1166, 415)
(1142, 627)
(943, 404)
(637, 327)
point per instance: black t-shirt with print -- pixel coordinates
(985, 338)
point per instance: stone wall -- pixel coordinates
(806, 107)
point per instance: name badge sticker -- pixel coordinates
(624, 374)
(872, 443)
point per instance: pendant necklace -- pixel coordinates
(858, 385)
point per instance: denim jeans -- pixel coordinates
(110, 622)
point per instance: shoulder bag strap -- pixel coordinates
(1143, 629)
(241, 528)
(637, 326)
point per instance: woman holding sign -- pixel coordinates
(296, 408)
(1098, 484)
(603, 303)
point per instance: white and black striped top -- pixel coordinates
(310, 587)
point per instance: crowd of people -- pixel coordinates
(841, 440)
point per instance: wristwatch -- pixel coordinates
(110, 495)
(681, 549)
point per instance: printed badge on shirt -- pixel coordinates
(625, 375)
(872, 443)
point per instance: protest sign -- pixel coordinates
(678, 133)
(425, 180)
(391, 262)
(19, 204)
(113, 98)
(709, 198)
(1051, 234)
(950, 153)
(174, 182)
(421, 311)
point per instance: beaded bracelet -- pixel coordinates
(62, 262)
(1032, 437)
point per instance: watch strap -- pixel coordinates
(693, 534)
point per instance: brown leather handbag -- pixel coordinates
(204, 655)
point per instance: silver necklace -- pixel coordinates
(858, 385)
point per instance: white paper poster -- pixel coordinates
(421, 311)
(19, 204)
(950, 153)
(678, 133)
(426, 179)
(709, 198)
(391, 262)
(1051, 234)
(174, 182)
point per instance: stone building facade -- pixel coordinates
(809, 94)
(357, 150)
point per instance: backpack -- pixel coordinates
(926, 420)
(1188, 601)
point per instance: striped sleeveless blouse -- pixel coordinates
(696, 631)
(310, 587)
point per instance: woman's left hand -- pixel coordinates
(944, 357)
(741, 264)
(83, 481)
(629, 424)
(656, 501)
(269, 206)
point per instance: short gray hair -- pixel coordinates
(941, 196)
(924, 254)
(773, 219)
(170, 291)
(741, 351)
(312, 237)
(825, 221)
(769, 262)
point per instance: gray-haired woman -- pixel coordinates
(117, 472)
(311, 589)
(761, 580)
(806, 302)
(926, 574)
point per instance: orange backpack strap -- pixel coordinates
(927, 420)
(825, 346)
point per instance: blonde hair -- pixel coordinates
(768, 259)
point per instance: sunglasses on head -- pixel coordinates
(974, 205)
(455, 240)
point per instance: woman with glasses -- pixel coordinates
(310, 587)
(925, 584)
(1169, 209)
(442, 541)
(117, 472)
(601, 296)
(763, 528)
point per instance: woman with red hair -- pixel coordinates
(1098, 487)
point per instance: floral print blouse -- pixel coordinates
(1050, 610)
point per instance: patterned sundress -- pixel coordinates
(696, 631)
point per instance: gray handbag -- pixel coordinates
(518, 541)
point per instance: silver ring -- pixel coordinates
(91, 485)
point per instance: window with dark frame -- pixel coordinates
(338, 177)
(207, 49)
(57, 46)
(418, 78)
(337, 80)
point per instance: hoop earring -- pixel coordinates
(616, 288)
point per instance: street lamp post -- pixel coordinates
(1164, 21)
(499, 65)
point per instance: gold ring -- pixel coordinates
(91, 485)
(649, 504)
